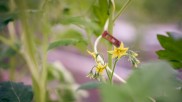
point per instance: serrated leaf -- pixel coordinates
(15, 92)
(156, 80)
(64, 42)
(165, 54)
(89, 85)
(174, 35)
(174, 59)
(172, 52)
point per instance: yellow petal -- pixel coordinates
(93, 54)
(121, 55)
(100, 68)
(125, 48)
(121, 46)
(114, 56)
(115, 48)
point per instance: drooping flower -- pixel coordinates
(90, 75)
(118, 52)
(134, 54)
(100, 68)
(133, 58)
(97, 71)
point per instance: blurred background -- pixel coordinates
(137, 27)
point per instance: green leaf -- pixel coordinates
(15, 92)
(72, 20)
(74, 34)
(89, 85)
(156, 80)
(100, 12)
(64, 42)
(71, 34)
(172, 52)
(4, 6)
(66, 95)
(81, 22)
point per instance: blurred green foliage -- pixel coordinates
(5, 15)
(154, 11)
(90, 85)
(5, 54)
(4, 6)
(65, 83)
(155, 80)
(172, 52)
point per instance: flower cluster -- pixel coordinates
(118, 52)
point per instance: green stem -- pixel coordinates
(12, 68)
(44, 63)
(114, 66)
(11, 30)
(108, 75)
(89, 38)
(121, 10)
(110, 29)
(30, 55)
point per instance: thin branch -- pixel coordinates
(121, 10)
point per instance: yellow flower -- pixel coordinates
(118, 52)
(100, 68)
(93, 54)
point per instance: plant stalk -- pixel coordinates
(110, 29)
(113, 69)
